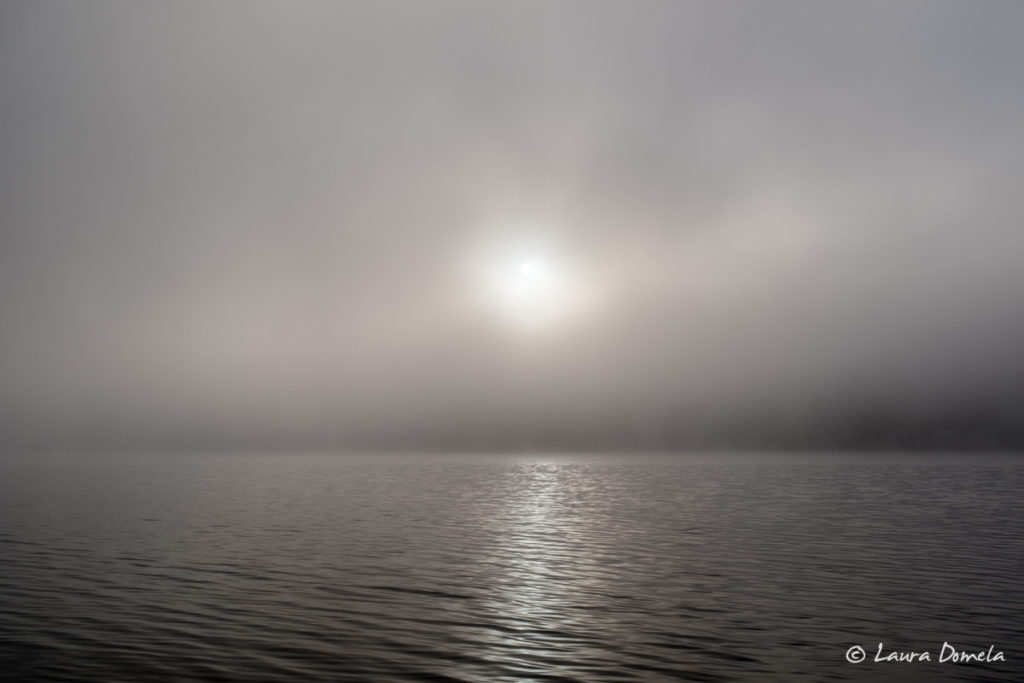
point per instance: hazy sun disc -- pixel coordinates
(525, 284)
(530, 290)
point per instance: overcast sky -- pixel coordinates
(274, 220)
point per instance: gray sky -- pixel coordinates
(279, 222)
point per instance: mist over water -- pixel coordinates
(241, 234)
(507, 568)
(303, 225)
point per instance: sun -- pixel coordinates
(525, 282)
(528, 287)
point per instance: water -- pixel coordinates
(505, 568)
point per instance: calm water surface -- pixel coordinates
(508, 568)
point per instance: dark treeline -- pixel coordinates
(982, 428)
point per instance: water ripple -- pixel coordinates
(585, 568)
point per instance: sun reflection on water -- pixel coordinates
(548, 576)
